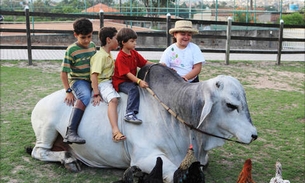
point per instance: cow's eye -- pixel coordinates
(232, 107)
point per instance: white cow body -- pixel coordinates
(160, 134)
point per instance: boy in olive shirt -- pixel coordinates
(102, 68)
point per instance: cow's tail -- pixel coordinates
(29, 150)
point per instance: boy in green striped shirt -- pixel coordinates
(75, 76)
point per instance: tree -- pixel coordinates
(183, 12)
(42, 6)
(302, 11)
(243, 16)
(71, 6)
(10, 5)
(133, 9)
(155, 4)
(107, 2)
(293, 19)
(200, 5)
(222, 4)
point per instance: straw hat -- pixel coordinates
(183, 26)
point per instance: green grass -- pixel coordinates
(275, 97)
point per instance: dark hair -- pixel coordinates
(82, 26)
(106, 32)
(174, 40)
(124, 35)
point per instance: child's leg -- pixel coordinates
(75, 118)
(82, 91)
(133, 102)
(132, 91)
(113, 118)
(110, 96)
(113, 115)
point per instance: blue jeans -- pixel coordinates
(82, 90)
(133, 100)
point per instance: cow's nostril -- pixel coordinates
(254, 137)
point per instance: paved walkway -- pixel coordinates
(21, 54)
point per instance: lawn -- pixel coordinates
(275, 97)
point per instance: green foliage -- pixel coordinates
(221, 5)
(10, 5)
(72, 6)
(133, 9)
(244, 17)
(41, 6)
(157, 3)
(294, 19)
(153, 8)
(183, 11)
(107, 2)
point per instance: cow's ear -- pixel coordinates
(219, 84)
(208, 103)
(205, 111)
(209, 97)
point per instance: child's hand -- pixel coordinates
(96, 100)
(185, 79)
(70, 99)
(143, 84)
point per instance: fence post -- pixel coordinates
(168, 26)
(279, 50)
(228, 40)
(101, 18)
(28, 34)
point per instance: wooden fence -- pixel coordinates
(164, 33)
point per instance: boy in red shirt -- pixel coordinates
(125, 71)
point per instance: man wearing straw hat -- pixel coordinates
(183, 55)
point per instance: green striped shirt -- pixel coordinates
(77, 62)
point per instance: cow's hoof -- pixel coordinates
(73, 167)
(71, 163)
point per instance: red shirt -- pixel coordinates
(124, 64)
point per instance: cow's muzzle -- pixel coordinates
(254, 137)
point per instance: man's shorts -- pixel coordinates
(107, 91)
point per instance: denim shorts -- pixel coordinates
(107, 91)
(82, 90)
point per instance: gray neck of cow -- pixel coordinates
(183, 98)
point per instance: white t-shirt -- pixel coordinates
(182, 60)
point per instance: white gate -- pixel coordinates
(293, 33)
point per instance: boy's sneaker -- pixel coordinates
(132, 118)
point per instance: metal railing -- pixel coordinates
(164, 33)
